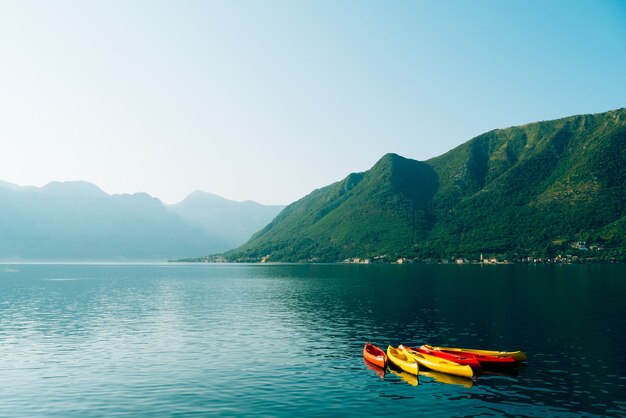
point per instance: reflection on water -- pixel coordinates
(154, 340)
(411, 379)
(379, 371)
(448, 378)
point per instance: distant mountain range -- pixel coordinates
(79, 221)
(234, 222)
(539, 190)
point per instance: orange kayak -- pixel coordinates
(374, 355)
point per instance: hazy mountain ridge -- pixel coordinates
(79, 221)
(527, 190)
(234, 222)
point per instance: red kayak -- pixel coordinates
(484, 360)
(460, 358)
(374, 355)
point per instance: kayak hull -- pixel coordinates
(516, 355)
(375, 355)
(467, 360)
(492, 361)
(438, 364)
(402, 360)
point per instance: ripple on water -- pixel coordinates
(141, 340)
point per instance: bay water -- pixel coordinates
(160, 340)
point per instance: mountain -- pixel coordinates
(532, 190)
(73, 189)
(11, 186)
(233, 222)
(79, 221)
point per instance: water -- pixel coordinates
(194, 340)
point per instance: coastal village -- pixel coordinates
(579, 252)
(403, 260)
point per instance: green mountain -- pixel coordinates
(532, 190)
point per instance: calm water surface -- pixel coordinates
(195, 340)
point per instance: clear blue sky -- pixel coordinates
(268, 100)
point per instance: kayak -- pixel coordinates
(438, 364)
(482, 360)
(402, 360)
(516, 355)
(460, 358)
(374, 355)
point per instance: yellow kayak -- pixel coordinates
(517, 355)
(438, 364)
(403, 361)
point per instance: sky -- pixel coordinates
(269, 100)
